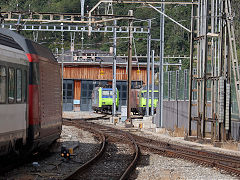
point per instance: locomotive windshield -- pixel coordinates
(107, 93)
(144, 95)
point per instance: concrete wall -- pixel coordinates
(175, 114)
(236, 130)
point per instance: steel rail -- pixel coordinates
(81, 119)
(228, 163)
(92, 160)
(223, 157)
(193, 157)
(133, 164)
(89, 127)
(233, 163)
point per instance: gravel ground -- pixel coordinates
(54, 166)
(155, 167)
(151, 134)
(111, 165)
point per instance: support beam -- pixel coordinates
(148, 65)
(152, 97)
(129, 120)
(161, 61)
(169, 18)
(191, 74)
(114, 81)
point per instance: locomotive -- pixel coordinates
(102, 99)
(143, 99)
(30, 95)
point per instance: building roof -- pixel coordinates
(88, 55)
(93, 57)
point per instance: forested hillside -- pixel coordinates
(176, 38)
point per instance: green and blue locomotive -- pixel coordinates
(143, 99)
(102, 99)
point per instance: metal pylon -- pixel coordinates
(110, 9)
(233, 49)
(210, 89)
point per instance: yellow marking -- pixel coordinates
(71, 150)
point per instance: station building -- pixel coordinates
(87, 69)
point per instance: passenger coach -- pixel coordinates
(30, 94)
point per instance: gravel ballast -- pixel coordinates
(155, 167)
(54, 166)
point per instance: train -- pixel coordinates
(30, 95)
(142, 99)
(102, 99)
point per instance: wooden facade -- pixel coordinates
(82, 74)
(87, 72)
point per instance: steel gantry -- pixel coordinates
(212, 35)
(66, 22)
(214, 40)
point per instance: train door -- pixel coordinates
(68, 95)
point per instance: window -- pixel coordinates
(107, 93)
(11, 85)
(3, 77)
(156, 95)
(19, 85)
(24, 86)
(69, 86)
(124, 95)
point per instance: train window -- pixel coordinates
(3, 77)
(110, 93)
(11, 85)
(24, 86)
(19, 85)
(105, 93)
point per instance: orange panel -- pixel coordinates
(77, 90)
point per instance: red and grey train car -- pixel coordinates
(30, 94)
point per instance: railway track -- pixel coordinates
(115, 160)
(227, 163)
(116, 152)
